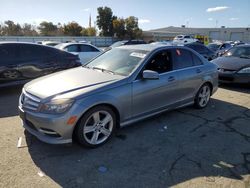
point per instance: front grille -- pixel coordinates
(29, 101)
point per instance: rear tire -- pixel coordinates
(11, 74)
(203, 96)
(96, 126)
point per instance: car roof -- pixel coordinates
(15, 42)
(29, 43)
(147, 47)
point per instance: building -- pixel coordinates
(223, 33)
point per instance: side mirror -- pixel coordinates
(150, 75)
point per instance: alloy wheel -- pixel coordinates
(204, 96)
(98, 127)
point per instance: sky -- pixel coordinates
(151, 14)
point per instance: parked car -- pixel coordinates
(203, 50)
(23, 61)
(184, 39)
(234, 65)
(127, 42)
(119, 87)
(213, 46)
(223, 48)
(85, 51)
(50, 43)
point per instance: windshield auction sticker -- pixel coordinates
(136, 54)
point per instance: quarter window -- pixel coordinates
(182, 59)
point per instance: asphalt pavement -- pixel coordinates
(182, 148)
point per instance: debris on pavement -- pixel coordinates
(41, 174)
(102, 169)
(19, 142)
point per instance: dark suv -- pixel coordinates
(24, 61)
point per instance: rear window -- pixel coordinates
(72, 48)
(181, 58)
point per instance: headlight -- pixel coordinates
(57, 106)
(244, 70)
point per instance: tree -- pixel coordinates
(104, 21)
(72, 29)
(119, 28)
(132, 29)
(29, 30)
(91, 31)
(11, 29)
(47, 29)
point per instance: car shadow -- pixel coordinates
(169, 149)
(9, 97)
(244, 88)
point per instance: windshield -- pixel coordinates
(242, 52)
(118, 61)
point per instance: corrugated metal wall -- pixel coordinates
(97, 41)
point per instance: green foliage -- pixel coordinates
(47, 29)
(72, 29)
(104, 21)
(119, 28)
(29, 30)
(110, 25)
(132, 29)
(11, 29)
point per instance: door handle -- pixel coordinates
(198, 71)
(171, 78)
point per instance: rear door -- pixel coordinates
(9, 61)
(190, 69)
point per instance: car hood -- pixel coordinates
(231, 63)
(75, 81)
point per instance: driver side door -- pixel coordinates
(149, 96)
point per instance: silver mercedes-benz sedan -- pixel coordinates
(117, 88)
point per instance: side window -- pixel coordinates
(160, 62)
(28, 51)
(88, 48)
(196, 60)
(187, 37)
(72, 48)
(181, 59)
(8, 53)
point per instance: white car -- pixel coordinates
(85, 51)
(184, 39)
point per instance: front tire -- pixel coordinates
(203, 96)
(96, 126)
